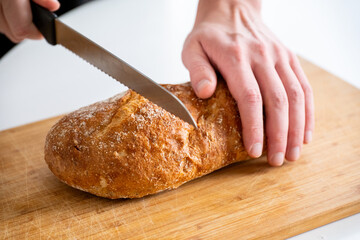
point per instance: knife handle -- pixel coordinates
(44, 20)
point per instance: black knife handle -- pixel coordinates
(44, 20)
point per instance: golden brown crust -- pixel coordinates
(128, 147)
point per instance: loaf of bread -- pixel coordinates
(128, 147)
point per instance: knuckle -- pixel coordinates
(235, 50)
(296, 133)
(281, 52)
(296, 96)
(292, 57)
(256, 131)
(278, 49)
(188, 43)
(308, 90)
(198, 68)
(279, 100)
(21, 32)
(253, 130)
(206, 32)
(279, 138)
(252, 96)
(262, 49)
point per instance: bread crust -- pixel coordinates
(128, 147)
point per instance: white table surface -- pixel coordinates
(38, 81)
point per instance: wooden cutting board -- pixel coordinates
(242, 201)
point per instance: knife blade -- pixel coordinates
(56, 32)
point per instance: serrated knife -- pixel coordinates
(56, 32)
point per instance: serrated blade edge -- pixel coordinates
(120, 71)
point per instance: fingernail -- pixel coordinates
(277, 159)
(202, 85)
(308, 136)
(256, 150)
(294, 153)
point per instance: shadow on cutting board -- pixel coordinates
(64, 192)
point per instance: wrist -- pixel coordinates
(219, 8)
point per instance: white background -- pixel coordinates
(38, 81)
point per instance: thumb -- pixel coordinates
(51, 5)
(202, 74)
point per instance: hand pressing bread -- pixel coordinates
(128, 147)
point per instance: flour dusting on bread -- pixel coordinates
(128, 147)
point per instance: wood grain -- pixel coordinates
(248, 200)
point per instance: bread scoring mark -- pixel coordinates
(130, 147)
(120, 155)
(103, 182)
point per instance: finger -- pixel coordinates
(245, 90)
(309, 98)
(276, 109)
(4, 28)
(232, 61)
(296, 101)
(202, 74)
(19, 19)
(51, 5)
